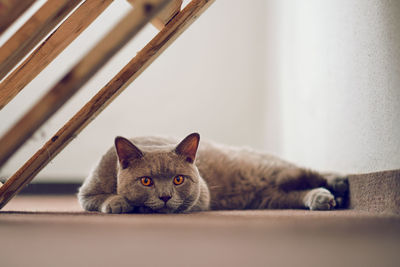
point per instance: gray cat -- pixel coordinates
(154, 174)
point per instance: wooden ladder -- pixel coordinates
(166, 15)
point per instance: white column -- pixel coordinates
(333, 83)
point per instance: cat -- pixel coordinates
(160, 175)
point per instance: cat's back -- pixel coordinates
(209, 152)
(211, 157)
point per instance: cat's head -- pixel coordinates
(161, 179)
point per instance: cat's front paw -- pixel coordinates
(116, 204)
(319, 199)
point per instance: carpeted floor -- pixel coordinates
(54, 231)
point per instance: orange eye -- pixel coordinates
(146, 181)
(178, 179)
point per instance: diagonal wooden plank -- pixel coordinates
(104, 97)
(34, 30)
(78, 75)
(166, 14)
(50, 48)
(10, 10)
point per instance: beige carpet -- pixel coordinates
(53, 231)
(377, 192)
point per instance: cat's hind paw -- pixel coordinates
(319, 199)
(339, 186)
(116, 204)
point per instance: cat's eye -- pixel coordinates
(146, 181)
(178, 179)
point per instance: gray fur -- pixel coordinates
(221, 177)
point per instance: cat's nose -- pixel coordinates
(165, 198)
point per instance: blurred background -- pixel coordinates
(314, 82)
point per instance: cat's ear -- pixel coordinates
(188, 147)
(126, 151)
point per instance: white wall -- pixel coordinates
(334, 83)
(211, 80)
(313, 81)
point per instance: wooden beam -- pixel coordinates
(34, 30)
(50, 48)
(166, 14)
(78, 75)
(104, 97)
(10, 10)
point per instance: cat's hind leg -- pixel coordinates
(302, 179)
(299, 179)
(313, 199)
